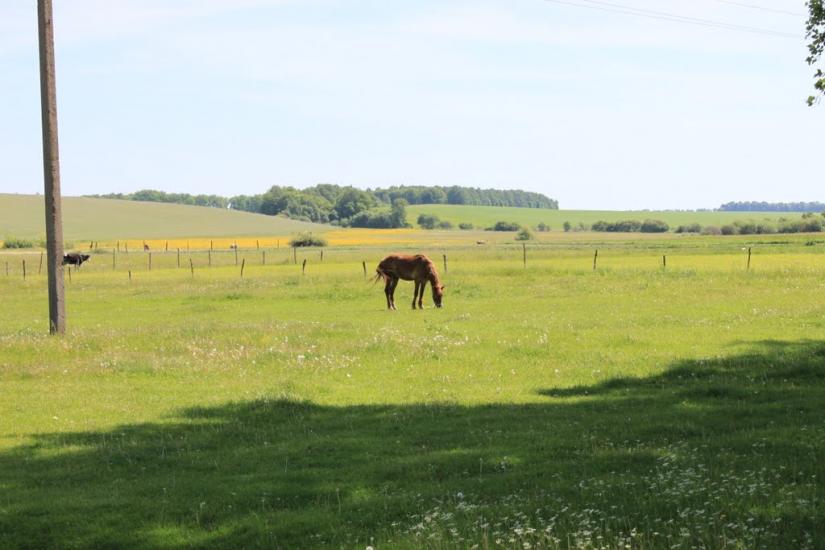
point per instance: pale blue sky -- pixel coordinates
(594, 108)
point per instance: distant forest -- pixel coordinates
(348, 206)
(755, 206)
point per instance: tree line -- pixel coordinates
(346, 205)
(756, 206)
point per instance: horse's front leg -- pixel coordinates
(421, 295)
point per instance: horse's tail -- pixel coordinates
(378, 276)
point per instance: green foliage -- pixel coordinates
(567, 226)
(445, 224)
(151, 195)
(689, 228)
(525, 235)
(465, 226)
(620, 226)
(382, 218)
(307, 239)
(815, 32)
(542, 227)
(505, 226)
(654, 226)
(14, 242)
(427, 221)
(762, 206)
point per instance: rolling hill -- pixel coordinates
(85, 218)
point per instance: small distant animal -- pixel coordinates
(145, 247)
(75, 258)
(233, 246)
(479, 242)
(418, 268)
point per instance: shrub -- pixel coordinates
(307, 239)
(711, 230)
(654, 226)
(812, 225)
(567, 226)
(543, 227)
(444, 224)
(745, 228)
(14, 242)
(622, 226)
(524, 235)
(690, 228)
(765, 228)
(427, 221)
(506, 226)
(465, 225)
(728, 229)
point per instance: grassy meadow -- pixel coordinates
(546, 406)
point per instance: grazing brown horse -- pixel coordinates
(418, 268)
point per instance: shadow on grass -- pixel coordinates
(713, 451)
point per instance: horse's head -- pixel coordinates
(438, 294)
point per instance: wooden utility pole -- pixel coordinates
(51, 169)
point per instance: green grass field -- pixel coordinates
(486, 216)
(552, 406)
(86, 219)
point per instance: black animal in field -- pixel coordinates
(75, 258)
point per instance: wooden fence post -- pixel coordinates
(40, 265)
(7, 269)
(364, 263)
(24, 270)
(243, 263)
(70, 274)
(130, 274)
(304, 267)
(749, 258)
(263, 257)
(524, 253)
(664, 261)
(294, 255)
(150, 261)
(118, 246)
(445, 262)
(322, 255)
(192, 267)
(257, 244)
(167, 246)
(595, 257)
(236, 253)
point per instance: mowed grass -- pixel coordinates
(109, 220)
(486, 216)
(554, 406)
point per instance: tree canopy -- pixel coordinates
(815, 31)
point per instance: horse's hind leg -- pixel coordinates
(415, 293)
(393, 284)
(387, 291)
